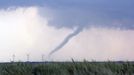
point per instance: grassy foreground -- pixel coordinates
(67, 68)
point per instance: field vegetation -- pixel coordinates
(67, 68)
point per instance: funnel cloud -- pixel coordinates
(67, 39)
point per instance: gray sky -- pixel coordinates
(79, 29)
(71, 13)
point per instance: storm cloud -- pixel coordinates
(44, 26)
(86, 13)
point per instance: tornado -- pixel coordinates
(66, 40)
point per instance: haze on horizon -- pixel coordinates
(80, 29)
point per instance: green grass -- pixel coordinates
(67, 68)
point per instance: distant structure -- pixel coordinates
(28, 56)
(13, 58)
(42, 57)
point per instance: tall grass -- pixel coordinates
(67, 68)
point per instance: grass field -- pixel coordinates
(67, 68)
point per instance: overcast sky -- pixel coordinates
(79, 29)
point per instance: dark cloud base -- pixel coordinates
(81, 13)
